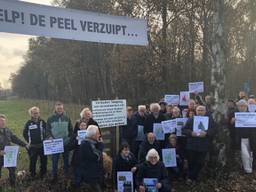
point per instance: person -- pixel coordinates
(209, 103)
(91, 160)
(35, 133)
(59, 126)
(6, 138)
(246, 139)
(154, 117)
(153, 168)
(162, 104)
(192, 104)
(176, 172)
(86, 117)
(197, 144)
(146, 145)
(126, 131)
(75, 145)
(168, 114)
(242, 95)
(124, 161)
(138, 122)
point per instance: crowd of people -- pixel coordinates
(140, 151)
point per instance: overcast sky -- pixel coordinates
(12, 49)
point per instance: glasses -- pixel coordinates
(152, 157)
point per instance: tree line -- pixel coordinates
(182, 48)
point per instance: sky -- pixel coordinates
(12, 49)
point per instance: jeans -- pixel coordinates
(55, 161)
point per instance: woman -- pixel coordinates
(85, 116)
(154, 170)
(125, 161)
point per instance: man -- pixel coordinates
(59, 126)
(154, 117)
(138, 126)
(145, 146)
(91, 160)
(197, 144)
(35, 133)
(126, 130)
(6, 138)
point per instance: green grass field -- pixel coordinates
(17, 115)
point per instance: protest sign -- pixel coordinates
(251, 107)
(172, 99)
(81, 136)
(41, 20)
(180, 124)
(196, 87)
(184, 98)
(169, 157)
(150, 184)
(53, 146)
(125, 181)
(140, 135)
(10, 156)
(245, 119)
(200, 123)
(169, 126)
(109, 113)
(158, 131)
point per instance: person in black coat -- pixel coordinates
(176, 172)
(124, 161)
(91, 159)
(126, 131)
(138, 122)
(153, 168)
(85, 116)
(35, 133)
(197, 144)
(154, 117)
(148, 144)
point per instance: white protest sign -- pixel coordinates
(41, 20)
(124, 181)
(109, 113)
(169, 126)
(245, 119)
(158, 131)
(180, 124)
(251, 107)
(10, 156)
(172, 99)
(201, 123)
(81, 136)
(169, 157)
(196, 87)
(184, 98)
(53, 146)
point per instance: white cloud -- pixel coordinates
(12, 49)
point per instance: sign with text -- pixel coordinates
(109, 113)
(53, 146)
(33, 19)
(245, 119)
(169, 126)
(196, 87)
(172, 99)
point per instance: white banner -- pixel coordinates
(245, 119)
(201, 123)
(169, 126)
(124, 181)
(40, 20)
(109, 113)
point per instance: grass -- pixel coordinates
(17, 115)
